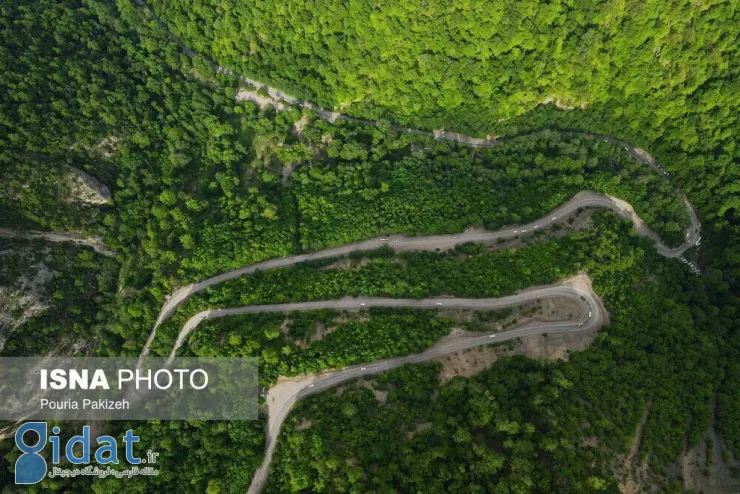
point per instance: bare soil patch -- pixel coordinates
(556, 347)
(545, 346)
(564, 103)
(418, 429)
(380, 395)
(262, 101)
(286, 172)
(345, 264)
(304, 425)
(708, 466)
(590, 442)
(546, 310)
(470, 362)
(322, 330)
(633, 477)
(285, 326)
(299, 125)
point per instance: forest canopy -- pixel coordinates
(202, 181)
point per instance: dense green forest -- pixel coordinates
(660, 75)
(522, 425)
(202, 183)
(57, 292)
(469, 271)
(441, 64)
(493, 432)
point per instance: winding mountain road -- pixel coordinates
(282, 396)
(584, 199)
(572, 291)
(439, 134)
(400, 243)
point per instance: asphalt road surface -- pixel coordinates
(591, 316)
(281, 397)
(364, 303)
(401, 243)
(279, 409)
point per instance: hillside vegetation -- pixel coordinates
(202, 183)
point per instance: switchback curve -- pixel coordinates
(281, 397)
(400, 243)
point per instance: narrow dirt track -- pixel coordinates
(95, 242)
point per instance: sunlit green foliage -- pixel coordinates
(202, 184)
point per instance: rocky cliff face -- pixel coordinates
(86, 188)
(22, 300)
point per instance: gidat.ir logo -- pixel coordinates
(30, 467)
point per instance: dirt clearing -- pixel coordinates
(380, 395)
(322, 330)
(470, 362)
(634, 478)
(709, 466)
(304, 425)
(299, 125)
(418, 429)
(262, 101)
